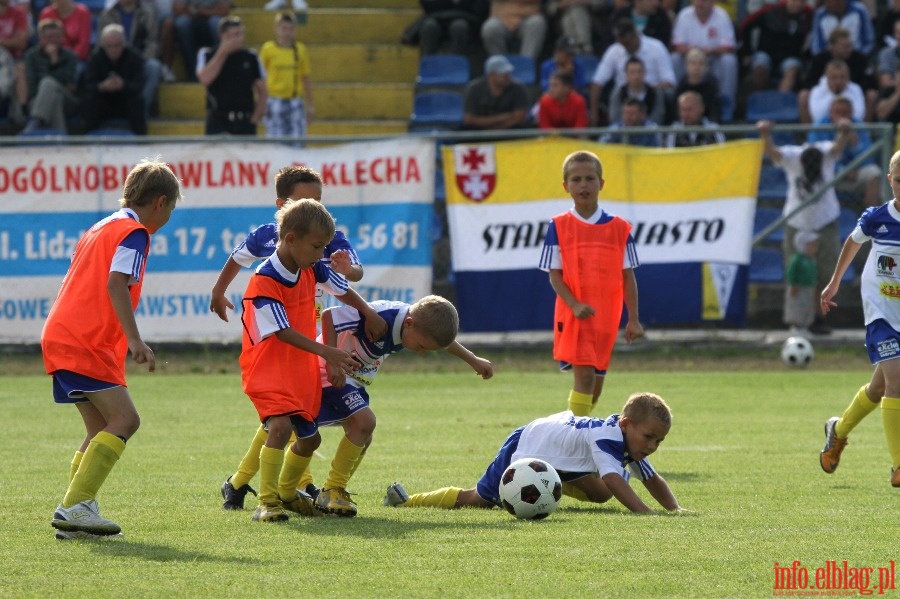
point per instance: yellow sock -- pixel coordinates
(443, 498)
(858, 409)
(76, 461)
(570, 490)
(358, 461)
(306, 479)
(580, 403)
(293, 469)
(343, 464)
(249, 465)
(270, 463)
(890, 416)
(102, 453)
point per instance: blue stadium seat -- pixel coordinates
(770, 105)
(95, 6)
(727, 108)
(766, 266)
(772, 183)
(765, 217)
(588, 65)
(443, 70)
(42, 133)
(524, 69)
(437, 110)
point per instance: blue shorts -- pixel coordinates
(567, 366)
(303, 427)
(488, 486)
(70, 387)
(338, 404)
(882, 341)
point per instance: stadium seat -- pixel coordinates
(524, 69)
(727, 108)
(437, 110)
(42, 133)
(765, 217)
(443, 70)
(588, 65)
(95, 6)
(770, 105)
(766, 266)
(772, 183)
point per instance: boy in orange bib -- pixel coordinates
(590, 256)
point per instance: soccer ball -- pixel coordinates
(530, 489)
(797, 352)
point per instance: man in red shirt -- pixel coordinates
(561, 107)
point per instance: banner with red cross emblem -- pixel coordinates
(476, 171)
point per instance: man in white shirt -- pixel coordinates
(708, 27)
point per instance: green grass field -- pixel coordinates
(742, 454)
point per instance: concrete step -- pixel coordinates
(314, 4)
(330, 26)
(362, 63)
(194, 127)
(333, 101)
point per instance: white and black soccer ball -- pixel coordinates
(797, 352)
(530, 489)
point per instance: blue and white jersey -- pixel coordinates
(351, 337)
(581, 444)
(270, 315)
(550, 255)
(880, 284)
(261, 243)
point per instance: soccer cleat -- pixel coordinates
(84, 517)
(234, 498)
(312, 490)
(830, 456)
(895, 477)
(62, 535)
(275, 4)
(396, 495)
(336, 501)
(302, 504)
(269, 512)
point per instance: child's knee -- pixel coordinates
(363, 423)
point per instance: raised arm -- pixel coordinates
(482, 367)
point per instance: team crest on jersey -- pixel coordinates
(476, 171)
(885, 265)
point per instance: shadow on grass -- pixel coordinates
(683, 477)
(375, 527)
(162, 553)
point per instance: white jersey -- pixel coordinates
(716, 32)
(351, 337)
(823, 211)
(580, 444)
(880, 284)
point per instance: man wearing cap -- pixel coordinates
(495, 100)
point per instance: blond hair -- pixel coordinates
(644, 405)
(437, 318)
(148, 180)
(894, 165)
(302, 217)
(290, 176)
(581, 156)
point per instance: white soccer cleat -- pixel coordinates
(396, 495)
(84, 517)
(275, 4)
(300, 5)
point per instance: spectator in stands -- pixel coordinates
(563, 61)
(197, 26)
(76, 22)
(634, 114)
(649, 17)
(610, 72)
(847, 14)
(888, 107)
(807, 169)
(888, 64)
(775, 39)
(50, 79)
(8, 82)
(885, 34)
(166, 18)
(652, 99)
(236, 93)
(114, 83)
(141, 25)
(708, 27)
(495, 100)
(453, 21)
(690, 114)
(698, 78)
(561, 107)
(515, 20)
(13, 29)
(863, 183)
(285, 62)
(575, 18)
(840, 46)
(836, 83)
